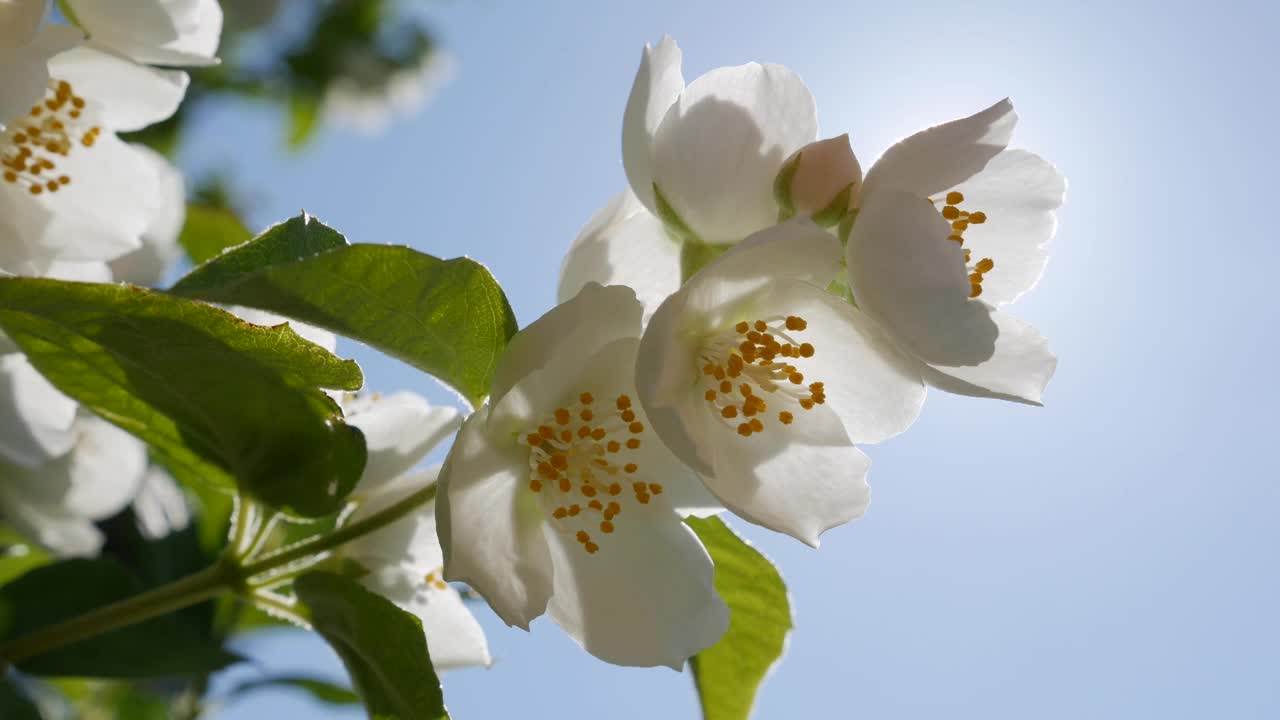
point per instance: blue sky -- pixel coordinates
(1109, 555)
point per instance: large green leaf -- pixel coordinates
(224, 399)
(161, 646)
(18, 555)
(729, 673)
(382, 646)
(446, 317)
(209, 230)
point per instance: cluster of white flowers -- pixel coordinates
(641, 399)
(77, 203)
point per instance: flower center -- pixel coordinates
(583, 462)
(960, 221)
(741, 368)
(32, 147)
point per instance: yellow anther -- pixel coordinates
(742, 328)
(628, 416)
(710, 395)
(588, 491)
(546, 431)
(974, 290)
(629, 468)
(806, 403)
(745, 389)
(633, 443)
(785, 417)
(614, 489)
(624, 402)
(796, 323)
(560, 513)
(614, 446)
(598, 434)
(586, 398)
(951, 212)
(642, 498)
(744, 429)
(726, 386)
(565, 485)
(636, 427)
(796, 378)
(806, 350)
(595, 505)
(729, 411)
(975, 278)
(954, 198)
(585, 415)
(559, 461)
(960, 225)
(978, 218)
(606, 527)
(761, 326)
(584, 432)
(535, 485)
(718, 372)
(582, 536)
(591, 548)
(956, 238)
(566, 435)
(655, 488)
(574, 510)
(756, 425)
(985, 265)
(562, 416)
(534, 439)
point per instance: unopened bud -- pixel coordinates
(820, 180)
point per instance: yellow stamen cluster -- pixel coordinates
(434, 580)
(960, 221)
(32, 146)
(742, 367)
(583, 459)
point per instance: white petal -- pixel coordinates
(26, 70)
(66, 535)
(945, 155)
(20, 20)
(577, 328)
(399, 430)
(160, 32)
(870, 385)
(1018, 192)
(160, 507)
(913, 281)
(147, 265)
(454, 638)
(1019, 370)
(319, 336)
(800, 479)
(657, 85)
(88, 271)
(35, 418)
(104, 470)
(490, 529)
(720, 146)
(410, 541)
(645, 598)
(102, 214)
(623, 244)
(124, 94)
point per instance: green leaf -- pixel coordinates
(729, 673)
(14, 704)
(321, 690)
(161, 646)
(209, 230)
(228, 401)
(446, 317)
(382, 646)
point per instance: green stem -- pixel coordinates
(164, 599)
(225, 575)
(345, 534)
